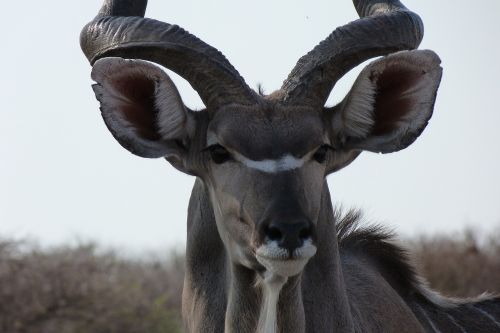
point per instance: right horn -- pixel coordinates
(119, 30)
(385, 26)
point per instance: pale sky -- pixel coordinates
(63, 176)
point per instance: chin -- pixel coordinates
(279, 261)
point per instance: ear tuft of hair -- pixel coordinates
(390, 103)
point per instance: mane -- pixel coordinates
(260, 90)
(378, 244)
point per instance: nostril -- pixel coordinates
(274, 234)
(290, 234)
(305, 233)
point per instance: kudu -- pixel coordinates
(266, 251)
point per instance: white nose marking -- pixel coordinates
(285, 163)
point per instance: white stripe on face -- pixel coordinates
(285, 163)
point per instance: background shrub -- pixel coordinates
(82, 288)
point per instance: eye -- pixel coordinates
(320, 154)
(219, 154)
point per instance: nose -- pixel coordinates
(289, 235)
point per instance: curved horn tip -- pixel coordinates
(372, 7)
(123, 8)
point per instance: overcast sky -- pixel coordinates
(63, 176)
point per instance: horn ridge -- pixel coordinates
(384, 27)
(207, 70)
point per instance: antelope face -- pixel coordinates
(264, 162)
(265, 170)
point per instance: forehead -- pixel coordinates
(267, 132)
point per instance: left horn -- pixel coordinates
(385, 26)
(120, 30)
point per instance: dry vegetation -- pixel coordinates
(460, 266)
(80, 289)
(83, 289)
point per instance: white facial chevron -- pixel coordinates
(285, 163)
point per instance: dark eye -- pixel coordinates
(219, 154)
(320, 154)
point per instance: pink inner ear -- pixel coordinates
(391, 102)
(137, 103)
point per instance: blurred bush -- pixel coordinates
(463, 265)
(82, 289)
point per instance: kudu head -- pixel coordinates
(263, 159)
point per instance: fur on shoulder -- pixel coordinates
(378, 244)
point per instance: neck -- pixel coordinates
(220, 296)
(324, 293)
(263, 305)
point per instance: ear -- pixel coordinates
(389, 105)
(142, 108)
